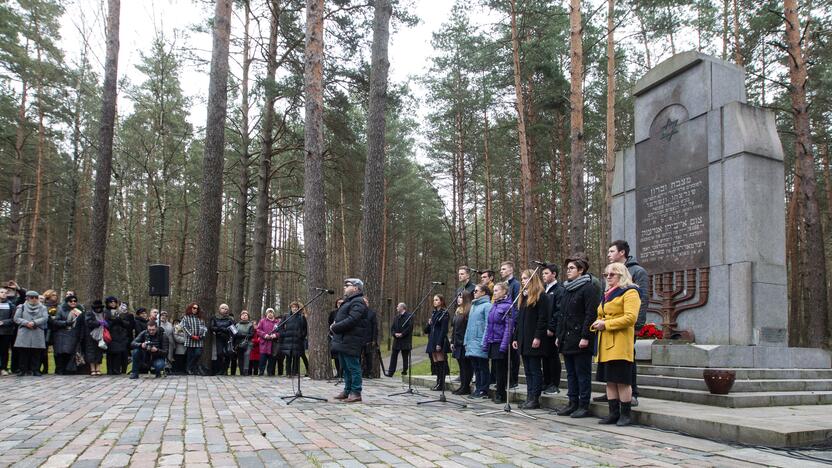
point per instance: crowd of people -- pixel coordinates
(489, 329)
(537, 320)
(144, 340)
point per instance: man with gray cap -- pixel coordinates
(349, 334)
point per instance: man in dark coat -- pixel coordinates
(150, 349)
(349, 335)
(369, 359)
(402, 331)
(551, 362)
(619, 252)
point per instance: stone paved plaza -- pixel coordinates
(234, 421)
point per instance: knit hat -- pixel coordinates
(32, 293)
(71, 297)
(110, 299)
(355, 282)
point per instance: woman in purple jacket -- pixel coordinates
(497, 336)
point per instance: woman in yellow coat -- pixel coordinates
(616, 326)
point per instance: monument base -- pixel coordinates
(731, 356)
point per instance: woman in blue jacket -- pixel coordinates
(474, 332)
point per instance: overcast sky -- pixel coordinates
(409, 48)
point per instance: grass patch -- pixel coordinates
(423, 368)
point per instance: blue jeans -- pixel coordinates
(481, 374)
(192, 356)
(140, 362)
(351, 371)
(578, 376)
(533, 366)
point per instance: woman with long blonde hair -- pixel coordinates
(530, 333)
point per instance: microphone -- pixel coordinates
(537, 262)
(437, 282)
(328, 291)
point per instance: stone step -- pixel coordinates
(796, 426)
(757, 385)
(742, 373)
(744, 394)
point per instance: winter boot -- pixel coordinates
(582, 411)
(615, 413)
(626, 414)
(568, 409)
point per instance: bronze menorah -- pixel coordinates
(673, 291)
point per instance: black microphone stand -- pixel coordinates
(298, 393)
(410, 390)
(507, 408)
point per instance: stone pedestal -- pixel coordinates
(703, 187)
(728, 356)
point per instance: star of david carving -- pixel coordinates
(670, 129)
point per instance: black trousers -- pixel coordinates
(117, 363)
(500, 367)
(5, 346)
(279, 359)
(223, 361)
(29, 359)
(466, 373)
(551, 371)
(394, 357)
(61, 361)
(515, 367)
(293, 363)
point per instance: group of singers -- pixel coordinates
(536, 319)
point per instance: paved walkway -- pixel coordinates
(227, 421)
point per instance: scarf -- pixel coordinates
(31, 309)
(577, 283)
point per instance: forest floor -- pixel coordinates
(226, 421)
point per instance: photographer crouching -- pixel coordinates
(150, 349)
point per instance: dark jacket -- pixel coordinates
(437, 331)
(514, 287)
(403, 323)
(555, 294)
(532, 322)
(156, 340)
(578, 309)
(7, 326)
(291, 334)
(221, 327)
(245, 332)
(121, 331)
(372, 332)
(351, 326)
(66, 333)
(460, 324)
(139, 325)
(639, 275)
(92, 323)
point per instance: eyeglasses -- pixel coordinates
(610, 275)
(72, 300)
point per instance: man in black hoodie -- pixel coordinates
(150, 349)
(619, 252)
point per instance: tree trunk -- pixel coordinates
(644, 41)
(210, 216)
(104, 167)
(528, 220)
(725, 29)
(610, 159)
(314, 210)
(737, 52)
(261, 216)
(239, 284)
(577, 226)
(32, 253)
(373, 203)
(489, 244)
(811, 251)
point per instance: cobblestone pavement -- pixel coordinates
(226, 421)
